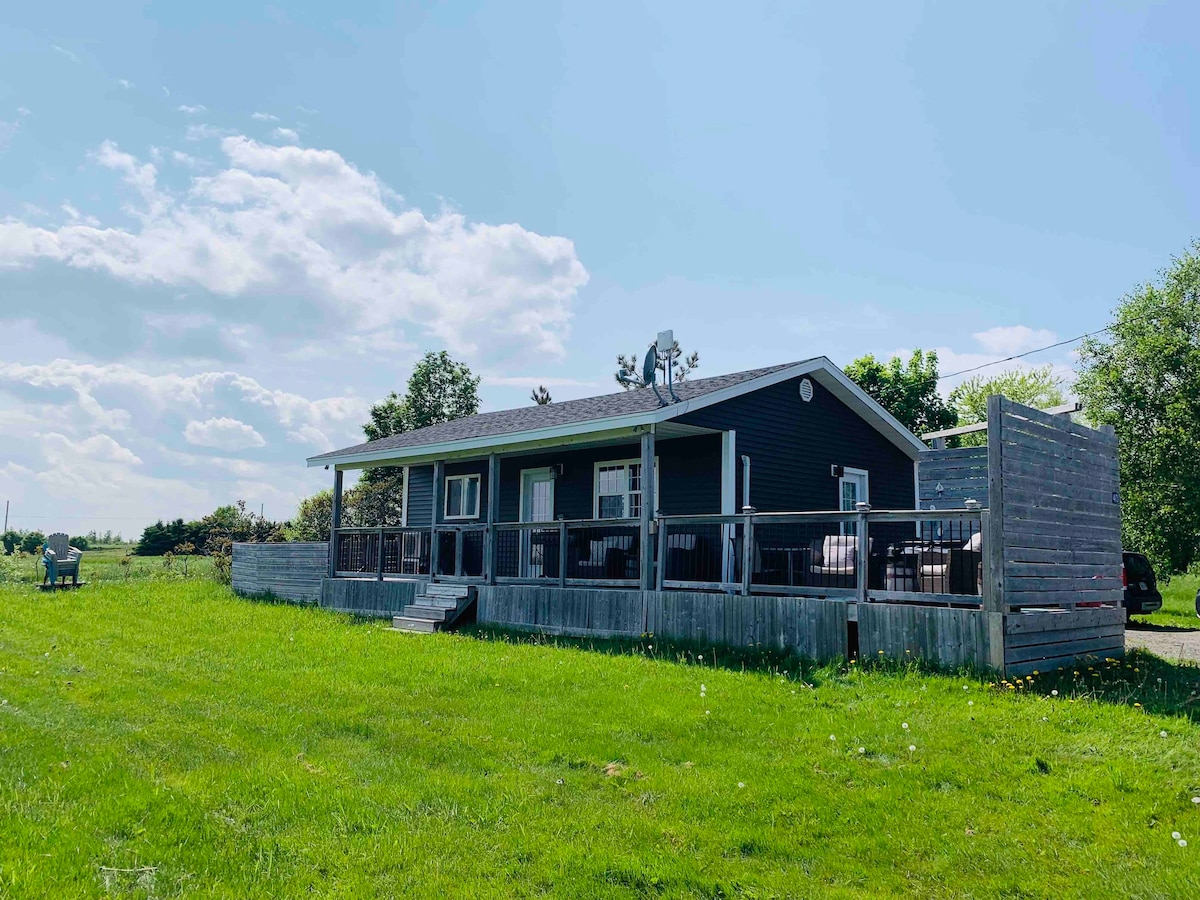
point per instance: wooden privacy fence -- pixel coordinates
(293, 571)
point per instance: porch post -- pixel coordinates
(862, 554)
(728, 502)
(493, 502)
(335, 521)
(439, 487)
(645, 547)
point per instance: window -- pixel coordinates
(619, 489)
(462, 496)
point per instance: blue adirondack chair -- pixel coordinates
(60, 560)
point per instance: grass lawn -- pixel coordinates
(164, 738)
(109, 564)
(1179, 604)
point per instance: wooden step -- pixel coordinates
(434, 613)
(448, 591)
(407, 623)
(439, 602)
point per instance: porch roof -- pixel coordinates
(622, 411)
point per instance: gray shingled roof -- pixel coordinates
(526, 418)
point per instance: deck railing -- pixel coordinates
(598, 552)
(872, 555)
(405, 551)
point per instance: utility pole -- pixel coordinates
(5, 516)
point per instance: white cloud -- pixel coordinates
(305, 223)
(1008, 340)
(264, 117)
(125, 83)
(286, 134)
(223, 434)
(193, 110)
(65, 52)
(326, 421)
(204, 132)
(99, 448)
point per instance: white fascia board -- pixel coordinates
(559, 435)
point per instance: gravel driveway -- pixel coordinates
(1171, 644)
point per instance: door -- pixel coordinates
(537, 505)
(853, 486)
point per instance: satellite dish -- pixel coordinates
(650, 366)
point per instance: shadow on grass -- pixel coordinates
(1159, 628)
(1138, 679)
(762, 660)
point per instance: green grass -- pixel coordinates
(164, 738)
(1179, 603)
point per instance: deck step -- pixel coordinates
(439, 602)
(449, 591)
(420, 611)
(406, 623)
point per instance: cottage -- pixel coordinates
(787, 438)
(778, 507)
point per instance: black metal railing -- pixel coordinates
(874, 555)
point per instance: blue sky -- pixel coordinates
(226, 229)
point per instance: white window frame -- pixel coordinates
(637, 461)
(541, 470)
(866, 489)
(446, 498)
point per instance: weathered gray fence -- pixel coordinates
(810, 627)
(946, 478)
(293, 571)
(367, 596)
(1056, 517)
(949, 637)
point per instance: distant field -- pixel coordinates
(1179, 603)
(105, 564)
(163, 738)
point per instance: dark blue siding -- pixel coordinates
(792, 444)
(420, 496)
(689, 477)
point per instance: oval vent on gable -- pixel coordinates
(806, 390)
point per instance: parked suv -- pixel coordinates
(1141, 587)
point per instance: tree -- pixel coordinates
(540, 395)
(438, 390)
(909, 391)
(79, 543)
(629, 372)
(1039, 388)
(11, 540)
(32, 542)
(1144, 380)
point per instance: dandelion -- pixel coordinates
(862, 750)
(1036, 672)
(912, 748)
(970, 703)
(1162, 734)
(560, 781)
(833, 737)
(706, 712)
(904, 725)
(1044, 719)
(703, 688)
(1182, 842)
(741, 784)
(700, 657)
(1195, 800)
(1176, 835)
(1054, 693)
(966, 687)
(1137, 706)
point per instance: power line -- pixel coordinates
(997, 362)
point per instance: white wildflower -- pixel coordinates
(1176, 835)
(912, 748)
